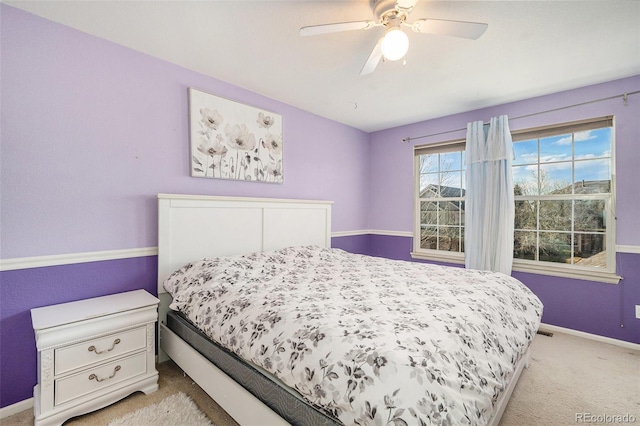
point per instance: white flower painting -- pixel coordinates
(230, 140)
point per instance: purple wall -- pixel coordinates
(360, 244)
(92, 131)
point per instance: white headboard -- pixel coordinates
(192, 227)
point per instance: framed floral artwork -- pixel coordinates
(230, 140)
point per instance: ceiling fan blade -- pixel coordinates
(374, 59)
(471, 30)
(337, 27)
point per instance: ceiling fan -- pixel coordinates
(393, 45)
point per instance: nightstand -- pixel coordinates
(92, 353)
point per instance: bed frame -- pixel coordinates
(192, 227)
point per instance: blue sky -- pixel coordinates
(589, 151)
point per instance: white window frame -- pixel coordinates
(419, 252)
(607, 275)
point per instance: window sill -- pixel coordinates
(548, 268)
(436, 256)
(541, 268)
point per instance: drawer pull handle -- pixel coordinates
(93, 348)
(115, 370)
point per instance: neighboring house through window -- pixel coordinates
(564, 195)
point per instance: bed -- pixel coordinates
(338, 338)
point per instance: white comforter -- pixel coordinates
(370, 341)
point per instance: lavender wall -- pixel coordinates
(90, 133)
(598, 308)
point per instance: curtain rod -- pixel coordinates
(624, 98)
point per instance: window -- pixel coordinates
(563, 187)
(440, 204)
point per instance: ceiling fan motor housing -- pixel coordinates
(387, 12)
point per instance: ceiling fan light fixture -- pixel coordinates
(394, 44)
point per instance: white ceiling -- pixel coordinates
(531, 48)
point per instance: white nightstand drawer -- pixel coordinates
(97, 378)
(99, 350)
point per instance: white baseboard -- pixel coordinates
(16, 408)
(603, 339)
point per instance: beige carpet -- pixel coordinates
(177, 409)
(569, 376)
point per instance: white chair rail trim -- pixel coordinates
(372, 232)
(627, 249)
(72, 258)
(96, 256)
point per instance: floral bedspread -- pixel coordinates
(370, 341)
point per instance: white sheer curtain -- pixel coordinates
(489, 199)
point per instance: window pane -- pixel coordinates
(526, 152)
(526, 215)
(593, 144)
(556, 148)
(449, 239)
(593, 177)
(524, 246)
(428, 163)
(449, 212)
(429, 185)
(589, 215)
(555, 247)
(555, 178)
(428, 213)
(555, 215)
(451, 184)
(428, 237)
(590, 250)
(525, 180)
(450, 161)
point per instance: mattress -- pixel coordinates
(366, 340)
